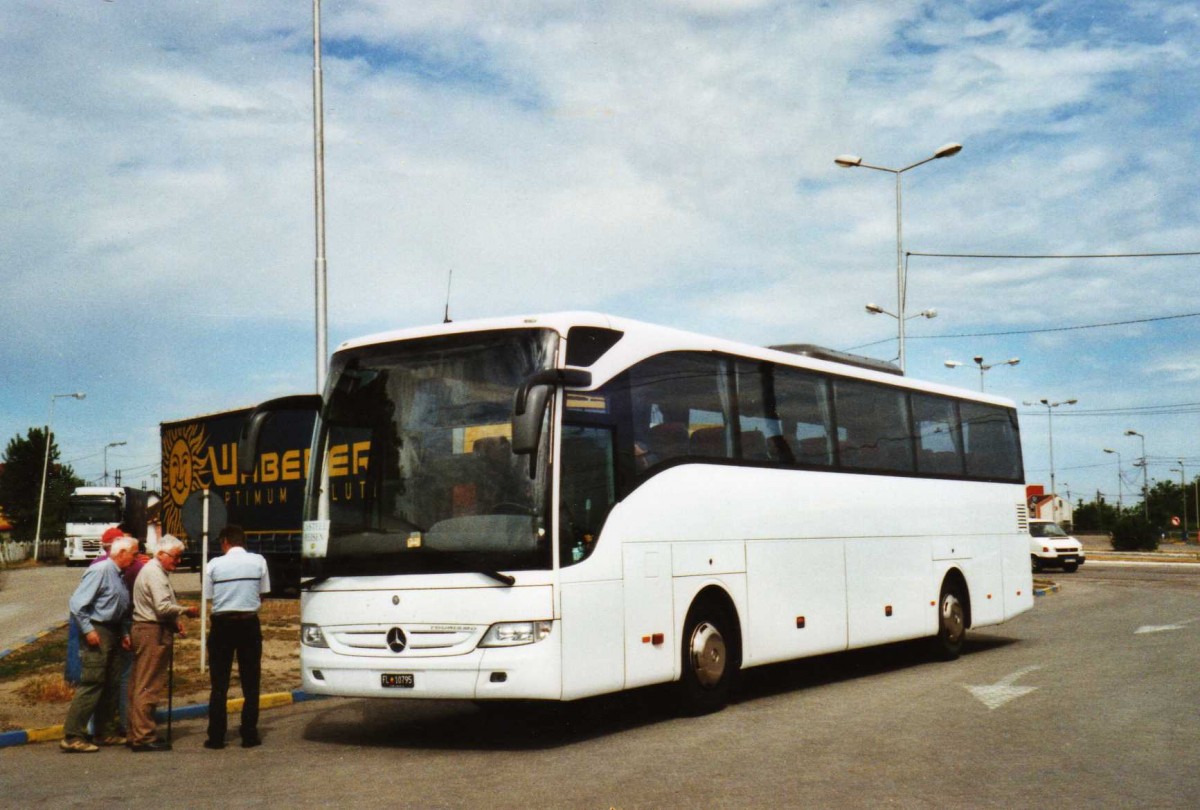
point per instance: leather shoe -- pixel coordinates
(153, 745)
(215, 746)
(251, 742)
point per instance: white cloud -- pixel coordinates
(669, 160)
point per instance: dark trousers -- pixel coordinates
(240, 637)
(98, 687)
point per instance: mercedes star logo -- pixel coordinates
(396, 641)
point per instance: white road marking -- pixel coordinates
(1162, 628)
(996, 695)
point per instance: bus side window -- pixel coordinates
(588, 489)
(990, 440)
(803, 404)
(939, 441)
(759, 424)
(876, 421)
(678, 408)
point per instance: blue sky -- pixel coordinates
(668, 161)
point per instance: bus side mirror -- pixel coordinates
(247, 447)
(529, 405)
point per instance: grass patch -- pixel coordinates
(48, 651)
(47, 689)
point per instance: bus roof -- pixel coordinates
(652, 339)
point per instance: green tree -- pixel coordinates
(21, 486)
(1097, 516)
(1166, 501)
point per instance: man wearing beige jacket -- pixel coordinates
(156, 615)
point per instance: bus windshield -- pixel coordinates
(414, 469)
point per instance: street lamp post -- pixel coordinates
(984, 366)
(110, 444)
(1120, 486)
(37, 536)
(1050, 406)
(1145, 475)
(854, 161)
(1183, 491)
(319, 267)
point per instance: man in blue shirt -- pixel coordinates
(235, 583)
(101, 607)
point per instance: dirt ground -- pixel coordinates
(33, 695)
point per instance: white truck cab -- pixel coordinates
(1051, 547)
(91, 511)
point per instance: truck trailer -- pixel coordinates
(201, 453)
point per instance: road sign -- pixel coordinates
(193, 516)
(1175, 520)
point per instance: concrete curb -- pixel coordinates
(234, 705)
(1045, 588)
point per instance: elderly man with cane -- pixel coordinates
(156, 614)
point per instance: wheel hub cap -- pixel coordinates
(707, 651)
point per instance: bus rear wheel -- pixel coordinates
(710, 660)
(952, 624)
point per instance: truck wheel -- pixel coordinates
(952, 624)
(1070, 568)
(710, 659)
(1037, 564)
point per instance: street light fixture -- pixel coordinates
(1050, 406)
(1012, 361)
(110, 444)
(1145, 475)
(853, 162)
(1120, 486)
(37, 536)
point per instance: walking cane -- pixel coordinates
(170, 688)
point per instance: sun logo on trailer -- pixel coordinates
(185, 470)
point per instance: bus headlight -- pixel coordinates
(311, 636)
(514, 634)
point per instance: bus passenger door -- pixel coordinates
(649, 626)
(589, 568)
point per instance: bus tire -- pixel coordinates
(952, 623)
(710, 659)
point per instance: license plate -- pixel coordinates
(398, 680)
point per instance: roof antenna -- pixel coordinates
(446, 314)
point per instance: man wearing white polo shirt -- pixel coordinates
(235, 583)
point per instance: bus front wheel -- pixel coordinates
(709, 660)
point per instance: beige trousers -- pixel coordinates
(152, 647)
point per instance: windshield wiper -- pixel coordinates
(496, 575)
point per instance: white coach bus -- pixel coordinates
(566, 505)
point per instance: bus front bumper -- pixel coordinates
(525, 672)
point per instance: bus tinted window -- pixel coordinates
(991, 442)
(875, 421)
(679, 405)
(939, 442)
(588, 489)
(760, 428)
(804, 408)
